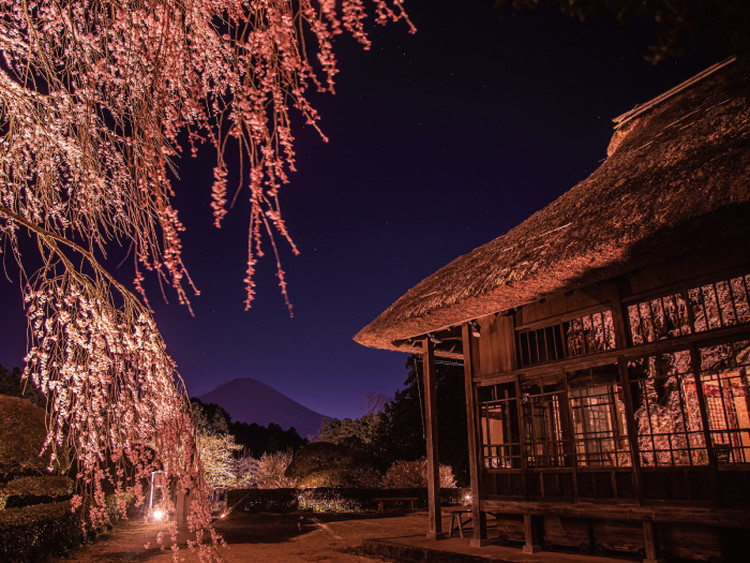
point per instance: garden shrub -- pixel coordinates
(24, 491)
(36, 520)
(22, 434)
(327, 500)
(323, 464)
(31, 533)
(330, 499)
(263, 500)
(405, 474)
(270, 471)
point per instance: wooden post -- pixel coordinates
(531, 534)
(522, 440)
(479, 531)
(435, 530)
(651, 543)
(568, 421)
(695, 362)
(635, 454)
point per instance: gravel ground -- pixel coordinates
(260, 538)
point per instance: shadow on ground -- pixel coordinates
(246, 528)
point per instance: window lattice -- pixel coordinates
(667, 411)
(726, 388)
(715, 305)
(545, 433)
(498, 417)
(583, 335)
(598, 414)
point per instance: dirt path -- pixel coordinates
(260, 538)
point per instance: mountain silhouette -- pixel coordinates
(249, 400)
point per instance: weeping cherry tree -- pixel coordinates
(97, 101)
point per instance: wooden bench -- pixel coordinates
(457, 519)
(382, 500)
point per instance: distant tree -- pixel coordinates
(397, 431)
(258, 439)
(323, 464)
(219, 462)
(373, 403)
(401, 434)
(358, 433)
(210, 418)
(413, 474)
(246, 471)
(271, 472)
(678, 25)
(13, 385)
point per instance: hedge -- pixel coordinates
(31, 533)
(326, 499)
(25, 491)
(22, 433)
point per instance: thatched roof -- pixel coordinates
(677, 177)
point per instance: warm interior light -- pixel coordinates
(223, 515)
(467, 498)
(158, 515)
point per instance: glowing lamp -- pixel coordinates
(157, 515)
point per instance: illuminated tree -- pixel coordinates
(97, 100)
(217, 456)
(271, 471)
(413, 474)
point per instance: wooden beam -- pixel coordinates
(719, 336)
(703, 515)
(435, 530)
(479, 532)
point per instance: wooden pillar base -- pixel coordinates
(531, 534)
(436, 536)
(479, 542)
(651, 543)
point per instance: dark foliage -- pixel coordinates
(259, 439)
(32, 533)
(402, 434)
(22, 433)
(323, 464)
(25, 491)
(12, 385)
(397, 432)
(256, 439)
(210, 418)
(676, 26)
(292, 500)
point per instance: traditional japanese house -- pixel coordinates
(606, 343)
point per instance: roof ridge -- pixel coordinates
(624, 118)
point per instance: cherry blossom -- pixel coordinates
(98, 101)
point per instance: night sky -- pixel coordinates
(439, 142)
